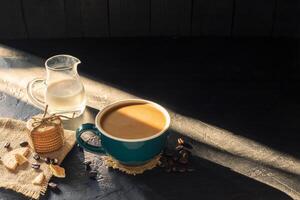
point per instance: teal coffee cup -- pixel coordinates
(126, 151)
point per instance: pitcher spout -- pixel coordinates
(62, 62)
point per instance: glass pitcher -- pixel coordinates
(63, 91)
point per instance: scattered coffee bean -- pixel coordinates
(93, 175)
(36, 156)
(180, 141)
(187, 145)
(35, 165)
(177, 159)
(7, 145)
(185, 155)
(54, 161)
(52, 186)
(184, 152)
(24, 144)
(179, 147)
(47, 160)
(79, 148)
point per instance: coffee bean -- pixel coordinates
(180, 141)
(35, 165)
(185, 155)
(36, 156)
(93, 175)
(24, 144)
(176, 160)
(187, 145)
(54, 187)
(179, 147)
(7, 145)
(185, 152)
(47, 160)
(54, 161)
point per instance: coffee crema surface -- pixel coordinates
(133, 121)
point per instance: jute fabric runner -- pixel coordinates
(14, 132)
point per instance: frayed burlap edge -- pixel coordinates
(131, 170)
(21, 189)
(25, 191)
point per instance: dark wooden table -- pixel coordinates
(237, 85)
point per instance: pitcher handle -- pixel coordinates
(88, 127)
(35, 100)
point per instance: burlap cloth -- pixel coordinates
(131, 170)
(15, 131)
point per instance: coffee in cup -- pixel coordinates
(132, 131)
(133, 121)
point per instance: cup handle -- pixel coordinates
(35, 100)
(88, 127)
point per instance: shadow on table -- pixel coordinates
(209, 181)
